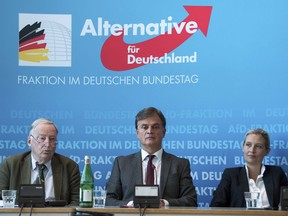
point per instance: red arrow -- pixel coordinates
(114, 51)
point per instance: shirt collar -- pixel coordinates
(261, 173)
(157, 154)
(47, 164)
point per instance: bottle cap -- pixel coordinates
(87, 159)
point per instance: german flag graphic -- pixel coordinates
(31, 46)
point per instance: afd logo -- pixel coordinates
(45, 40)
(166, 35)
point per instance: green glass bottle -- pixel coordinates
(86, 185)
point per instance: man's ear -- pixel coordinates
(29, 140)
(164, 132)
(137, 133)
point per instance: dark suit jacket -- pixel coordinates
(230, 191)
(16, 170)
(176, 182)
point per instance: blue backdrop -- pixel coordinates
(220, 72)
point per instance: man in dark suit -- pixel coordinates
(254, 176)
(61, 174)
(172, 174)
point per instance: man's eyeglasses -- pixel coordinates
(43, 139)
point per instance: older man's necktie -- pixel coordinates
(150, 171)
(41, 177)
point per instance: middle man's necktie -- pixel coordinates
(150, 171)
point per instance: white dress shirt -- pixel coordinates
(49, 186)
(157, 171)
(259, 186)
(156, 162)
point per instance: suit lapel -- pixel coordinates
(267, 178)
(243, 185)
(137, 169)
(165, 167)
(26, 170)
(243, 181)
(57, 177)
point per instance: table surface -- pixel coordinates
(40, 210)
(187, 211)
(151, 211)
